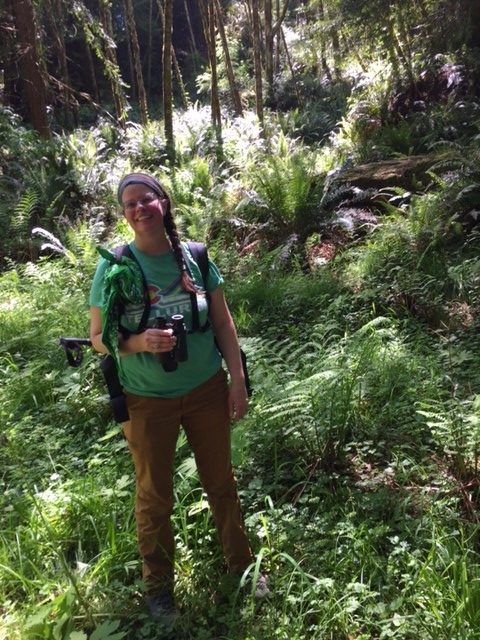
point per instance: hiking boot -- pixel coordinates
(162, 607)
(261, 588)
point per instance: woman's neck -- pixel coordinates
(153, 245)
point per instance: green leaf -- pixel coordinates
(106, 631)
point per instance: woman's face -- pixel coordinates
(143, 208)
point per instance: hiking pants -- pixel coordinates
(152, 435)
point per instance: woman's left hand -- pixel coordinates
(237, 400)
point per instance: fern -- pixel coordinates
(29, 206)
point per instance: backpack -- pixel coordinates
(117, 398)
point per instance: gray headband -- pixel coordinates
(139, 178)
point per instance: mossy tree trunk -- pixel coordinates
(208, 22)
(8, 58)
(257, 58)
(110, 61)
(56, 18)
(167, 79)
(31, 66)
(237, 103)
(137, 65)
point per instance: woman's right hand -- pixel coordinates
(158, 340)
(149, 341)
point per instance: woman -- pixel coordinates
(196, 395)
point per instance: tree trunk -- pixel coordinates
(397, 53)
(91, 73)
(111, 67)
(267, 9)
(290, 66)
(216, 113)
(56, 18)
(208, 22)
(131, 66)
(473, 12)
(31, 68)
(193, 43)
(133, 37)
(323, 50)
(256, 42)
(149, 50)
(176, 66)
(278, 39)
(335, 49)
(8, 58)
(228, 61)
(167, 80)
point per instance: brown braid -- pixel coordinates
(171, 228)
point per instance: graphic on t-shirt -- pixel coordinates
(164, 302)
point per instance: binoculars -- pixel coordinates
(179, 353)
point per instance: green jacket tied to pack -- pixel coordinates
(123, 285)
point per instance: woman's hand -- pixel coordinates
(237, 400)
(156, 340)
(151, 340)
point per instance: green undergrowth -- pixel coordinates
(357, 464)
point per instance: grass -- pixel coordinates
(347, 464)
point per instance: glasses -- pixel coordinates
(131, 205)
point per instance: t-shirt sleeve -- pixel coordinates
(214, 278)
(96, 290)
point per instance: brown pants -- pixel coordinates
(152, 435)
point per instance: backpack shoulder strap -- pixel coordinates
(200, 255)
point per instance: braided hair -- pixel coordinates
(152, 183)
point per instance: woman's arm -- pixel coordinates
(151, 340)
(226, 334)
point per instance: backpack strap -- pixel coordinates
(200, 255)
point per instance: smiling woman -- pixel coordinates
(194, 394)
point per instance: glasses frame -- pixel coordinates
(145, 200)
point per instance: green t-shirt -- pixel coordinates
(142, 373)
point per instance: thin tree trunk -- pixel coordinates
(216, 117)
(112, 69)
(350, 45)
(336, 49)
(473, 12)
(8, 61)
(91, 73)
(176, 66)
(278, 39)
(193, 43)
(31, 66)
(181, 84)
(323, 50)
(405, 36)
(228, 61)
(290, 66)
(400, 54)
(167, 80)
(131, 67)
(56, 22)
(256, 43)
(132, 33)
(267, 8)
(207, 16)
(149, 50)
